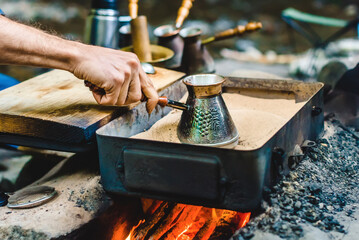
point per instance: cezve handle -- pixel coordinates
(164, 101)
(237, 31)
(183, 12)
(133, 8)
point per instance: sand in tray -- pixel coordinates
(257, 119)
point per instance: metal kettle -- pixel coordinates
(102, 24)
(205, 119)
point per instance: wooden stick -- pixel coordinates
(226, 226)
(187, 217)
(168, 223)
(149, 206)
(142, 230)
(183, 12)
(206, 230)
(141, 39)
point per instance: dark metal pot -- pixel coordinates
(168, 36)
(195, 59)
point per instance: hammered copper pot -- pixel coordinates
(205, 119)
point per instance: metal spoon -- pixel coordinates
(148, 68)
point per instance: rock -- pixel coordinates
(297, 205)
(314, 188)
(322, 190)
(81, 208)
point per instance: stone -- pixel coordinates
(297, 205)
(323, 190)
(81, 210)
(330, 208)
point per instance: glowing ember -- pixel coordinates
(169, 221)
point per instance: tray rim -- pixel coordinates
(319, 86)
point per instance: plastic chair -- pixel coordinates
(301, 22)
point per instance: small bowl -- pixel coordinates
(159, 54)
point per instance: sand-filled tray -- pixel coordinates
(141, 155)
(258, 115)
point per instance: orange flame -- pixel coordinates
(185, 222)
(244, 219)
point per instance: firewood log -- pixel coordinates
(226, 226)
(149, 225)
(185, 220)
(169, 222)
(206, 230)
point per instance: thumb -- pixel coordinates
(152, 98)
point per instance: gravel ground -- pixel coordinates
(319, 199)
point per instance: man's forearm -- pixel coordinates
(23, 45)
(118, 73)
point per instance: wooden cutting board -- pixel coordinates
(56, 106)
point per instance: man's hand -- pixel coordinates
(119, 73)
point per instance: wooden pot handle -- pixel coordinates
(237, 31)
(183, 12)
(133, 8)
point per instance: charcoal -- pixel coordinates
(323, 185)
(314, 188)
(297, 205)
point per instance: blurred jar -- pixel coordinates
(102, 24)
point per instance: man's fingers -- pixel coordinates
(123, 93)
(107, 99)
(149, 91)
(134, 91)
(97, 97)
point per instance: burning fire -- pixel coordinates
(169, 221)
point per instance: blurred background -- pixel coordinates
(67, 18)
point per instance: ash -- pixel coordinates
(317, 200)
